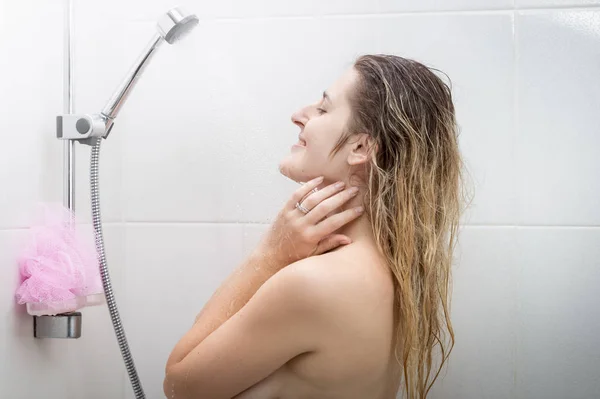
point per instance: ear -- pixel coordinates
(360, 149)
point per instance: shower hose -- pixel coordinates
(108, 292)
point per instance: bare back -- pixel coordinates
(355, 358)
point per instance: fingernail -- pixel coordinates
(318, 180)
(353, 190)
(340, 184)
(359, 209)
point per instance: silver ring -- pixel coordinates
(301, 208)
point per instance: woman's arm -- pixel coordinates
(231, 296)
(282, 320)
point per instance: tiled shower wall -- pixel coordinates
(190, 174)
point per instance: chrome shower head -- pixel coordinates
(175, 24)
(172, 26)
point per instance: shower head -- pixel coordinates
(175, 24)
(172, 26)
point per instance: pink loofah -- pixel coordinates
(59, 269)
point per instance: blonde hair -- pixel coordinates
(413, 200)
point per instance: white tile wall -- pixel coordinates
(96, 79)
(484, 305)
(31, 87)
(399, 6)
(477, 54)
(274, 8)
(97, 368)
(239, 9)
(558, 95)
(555, 3)
(558, 349)
(192, 165)
(150, 10)
(172, 271)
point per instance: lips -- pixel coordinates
(301, 141)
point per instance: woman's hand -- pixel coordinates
(295, 235)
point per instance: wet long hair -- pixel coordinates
(414, 197)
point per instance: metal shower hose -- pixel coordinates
(108, 292)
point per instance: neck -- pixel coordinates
(358, 230)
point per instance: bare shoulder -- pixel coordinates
(344, 277)
(358, 265)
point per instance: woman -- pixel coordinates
(334, 303)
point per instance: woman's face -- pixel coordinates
(321, 125)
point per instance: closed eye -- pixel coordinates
(321, 111)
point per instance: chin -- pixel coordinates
(285, 170)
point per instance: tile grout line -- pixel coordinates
(184, 223)
(516, 186)
(516, 113)
(244, 223)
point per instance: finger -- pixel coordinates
(334, 222)
(331, 242)
(314, 199)
(328, 205)
(303, 190)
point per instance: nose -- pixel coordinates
(299, 117)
